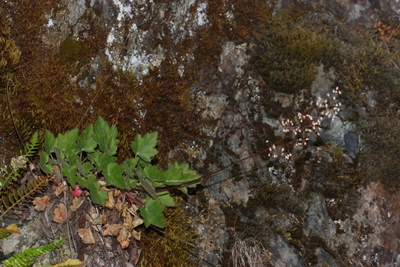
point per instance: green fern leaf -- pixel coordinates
(29, 256)
(31, 147)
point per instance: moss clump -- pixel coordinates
(73, 51)
(280, 196)
(289, 54)
(172, 248)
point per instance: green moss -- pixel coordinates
(73, 51)
(288, 54)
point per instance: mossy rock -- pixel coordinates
(288, 55)
(289, 48)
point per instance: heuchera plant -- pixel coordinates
(89, 157)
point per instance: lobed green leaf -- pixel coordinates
(152, 213)
(144, 146)
(113, 175)
(50, 142)
(166, 199)
(106, 137)
(130, 166)
(67, 141)
(71, 173)
(98, 196)
(44, 159)
(85, 141)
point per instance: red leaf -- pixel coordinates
(76, 192)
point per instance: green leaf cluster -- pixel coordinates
(84, 159)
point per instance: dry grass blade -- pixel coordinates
(248, 252)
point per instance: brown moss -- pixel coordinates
(25, 36)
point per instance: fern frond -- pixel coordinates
(29, 256)
(11, 201)
(31, 147)
(10, 174)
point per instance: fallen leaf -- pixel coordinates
(86, 236)
(12, 228)
(136, 235)
(136, 222)
(60, 215)
(70, 263)
(41, 203)
(100, 220)
(117, 192)
(59, 190)
(112, 229)
(119, 206)
(110, 201)
(76, 203)
(76, 192)
(124, 238)
(129, 221)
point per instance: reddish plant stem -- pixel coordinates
(230, 165)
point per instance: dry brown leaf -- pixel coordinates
(117, 192)
(124, 238)
(110, 201)
(41, 203)
(60, 215)
(136, 235)
(59, 190)
(100, 220)
(112, 229)
(119, 206)
(129, 221)
(136, 222)
(76, 203)
(86, 236)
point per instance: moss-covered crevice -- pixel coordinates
(173, 246)
(380, 161)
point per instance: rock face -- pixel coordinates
(306, 203)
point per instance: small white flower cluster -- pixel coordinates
(330, 105)
(299, 129)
